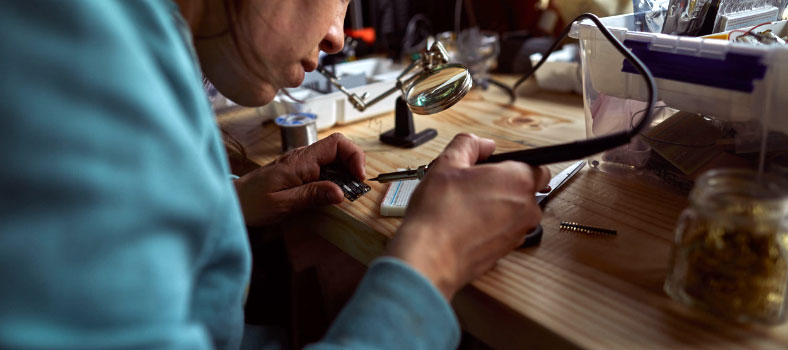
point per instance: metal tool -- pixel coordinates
(429, 85)
(418, 173)
(535, 236)
(410, 174)
(560, 179)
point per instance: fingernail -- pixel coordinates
(546, 189)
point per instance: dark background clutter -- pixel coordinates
(401, 27)
(390, 19)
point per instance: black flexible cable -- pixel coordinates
(506, 88)
(584, 148)
(457, 16)
(636, 62)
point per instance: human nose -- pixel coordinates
(335, 38)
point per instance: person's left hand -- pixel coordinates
(291, 182)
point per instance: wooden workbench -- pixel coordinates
(573, 290)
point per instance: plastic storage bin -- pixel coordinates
(730, 88)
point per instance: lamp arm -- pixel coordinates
(434, 56)
(358, 101)
(408, 69)
(355, 100)
(382, 96)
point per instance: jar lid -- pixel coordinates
(741, 191)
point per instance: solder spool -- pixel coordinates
(297, 129)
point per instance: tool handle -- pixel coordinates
(535, 156)
(561, 153)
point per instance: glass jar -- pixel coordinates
(729, 255)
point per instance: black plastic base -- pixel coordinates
(390, 137)
(403, 134)
(533, 238)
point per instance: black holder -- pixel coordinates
(403, 134)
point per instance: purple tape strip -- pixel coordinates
(736, 72)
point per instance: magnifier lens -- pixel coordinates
(439, 89)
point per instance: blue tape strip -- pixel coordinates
(396, 191)
(736, 72)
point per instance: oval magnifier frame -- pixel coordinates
(444, 103)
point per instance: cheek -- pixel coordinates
(275, 57)
(280, 42)
(283, 41)
(311, 23)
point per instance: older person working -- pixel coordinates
(119, 226)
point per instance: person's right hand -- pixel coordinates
(462, 218)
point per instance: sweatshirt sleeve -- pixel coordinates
(118, 227)
(394, 307)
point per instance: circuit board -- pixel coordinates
(338, 174)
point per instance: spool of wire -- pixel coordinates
(297, 129)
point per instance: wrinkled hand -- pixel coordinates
(462, 218)
(290, 183)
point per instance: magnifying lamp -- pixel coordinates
(428, 85)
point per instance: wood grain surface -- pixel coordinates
(572, 290)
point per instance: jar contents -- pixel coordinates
(730, 253)
(734, 272)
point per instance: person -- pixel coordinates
(120, 226)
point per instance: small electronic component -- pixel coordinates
(338, 174)
(573, 226)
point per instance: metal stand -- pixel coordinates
(403, 134)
